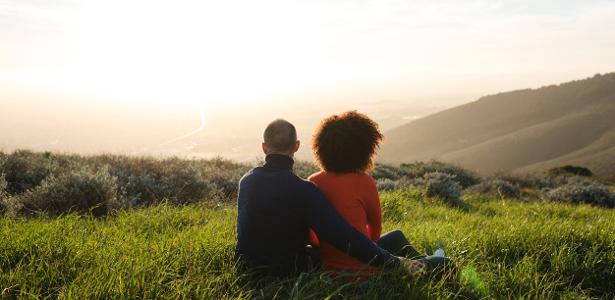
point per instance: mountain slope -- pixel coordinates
(521, 130)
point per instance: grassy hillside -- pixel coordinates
(526, 130)
(100, 227)
(504, 249)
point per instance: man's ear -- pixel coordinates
(297, 145)
(265, 148)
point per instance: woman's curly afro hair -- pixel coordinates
(346, 143)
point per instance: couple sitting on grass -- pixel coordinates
(333, 221)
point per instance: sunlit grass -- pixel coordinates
(504, 249)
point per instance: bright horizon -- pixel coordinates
(255, 60)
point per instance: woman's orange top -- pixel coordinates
(355, 197)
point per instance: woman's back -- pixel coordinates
(355, 197)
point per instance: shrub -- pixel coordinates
(148, 181)
(442, 186)
(143, 180)
(462, 176)
(224, 174)
(8, 204)
(81, 191)
(386, 184)
(381, 171)
(529, 181)
(304, 169)
(583, 191)
(404, 183)
(24, 170)
(4, 195)
(177, 183)
(497, 188)
(571, 170)
(186, 184)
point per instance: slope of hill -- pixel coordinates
(570, 123)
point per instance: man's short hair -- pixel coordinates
(280, 136)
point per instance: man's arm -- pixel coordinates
(332, 228)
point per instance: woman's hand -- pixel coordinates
(411, 266)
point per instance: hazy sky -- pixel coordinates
(222, 56)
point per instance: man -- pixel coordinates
(276, 209)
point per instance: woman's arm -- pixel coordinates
(312, 237)
(373, 210)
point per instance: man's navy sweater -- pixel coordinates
(275, 210)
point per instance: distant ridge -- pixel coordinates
(524, 130)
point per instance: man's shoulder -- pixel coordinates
(248, 175)
(288, 176)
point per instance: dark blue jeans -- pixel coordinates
(397, 244)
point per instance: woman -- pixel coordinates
(344, 147)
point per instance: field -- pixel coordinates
(503, 248)
(110, 226)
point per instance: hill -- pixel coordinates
(524, 130)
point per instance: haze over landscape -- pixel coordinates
(202, 78)
(132, 164)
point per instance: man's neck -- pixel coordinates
(279, 161)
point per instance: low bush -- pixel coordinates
(224, 174)
(530, 181)
(462, 176)
(497, 188)
(4, 195)
(8, 204)
(304, 169)
(442, 186)
(386, 184)
(141, 181)
(381, 171)
(578, 191)
(403, 183)
(81, 191)
(175, 182)
(148, 180)
(571, 170)
(24, 169)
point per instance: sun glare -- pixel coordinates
(195, 51)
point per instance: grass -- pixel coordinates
(504, 249)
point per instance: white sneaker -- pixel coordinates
(439, 252)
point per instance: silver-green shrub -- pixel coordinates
(304, 169)
(82, 191)
(386, 184)
(443, 186)
(498, 188)
(463, 177)
(578, 191)
(534, 181)
(382, 171)
(148, 181)
(24, 169)
(4, 195)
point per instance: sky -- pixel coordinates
(159, 66)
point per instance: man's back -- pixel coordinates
(272, 228)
